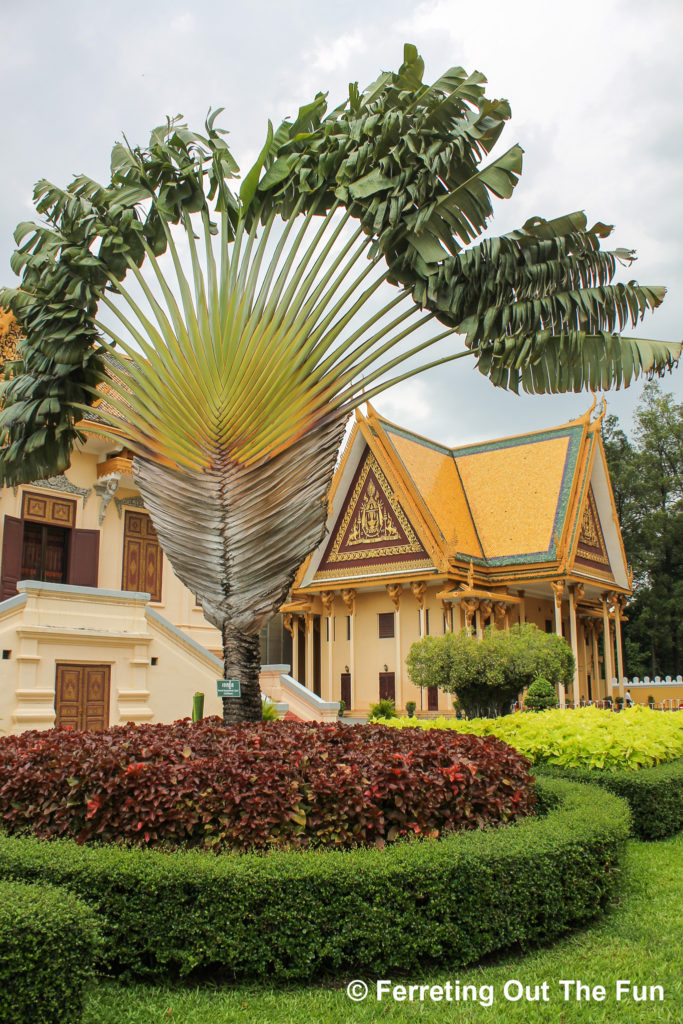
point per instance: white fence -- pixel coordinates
(657, 681)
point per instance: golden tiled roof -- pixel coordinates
(499, 503)
(436, 477)
(514, 493)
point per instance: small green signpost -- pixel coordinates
(229, 687)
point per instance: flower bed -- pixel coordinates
(581, 738)
(295, 914)
(257, 786)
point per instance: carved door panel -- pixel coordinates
(387, 686)
(142, 557)
(82, 696)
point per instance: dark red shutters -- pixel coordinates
(84, 556)
(12, 542)
(387, 686)
(432, 698)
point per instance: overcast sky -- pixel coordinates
(596, 88)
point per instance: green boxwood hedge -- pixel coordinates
(49, 940)
(293, 914)
(655, 795)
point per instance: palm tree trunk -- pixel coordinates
(242, 660)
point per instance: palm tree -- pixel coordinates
(252, 323)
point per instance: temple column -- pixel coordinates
(310, 681)
(597, 675)
(617, 639)
(607, 647)
(558, 590)
(575, 592)
(522, 608)
(447, 610)
(349, 599)
(327, 598)
(295, 647)
(394, 591)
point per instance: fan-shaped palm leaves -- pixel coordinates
(244, 335)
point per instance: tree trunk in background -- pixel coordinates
(242, 660)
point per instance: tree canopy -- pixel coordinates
(487, 675)
(646, 469)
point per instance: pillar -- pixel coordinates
(295, 648)
(620, 654)
(310, 681)
(574, 638)
(558, 590)
(607, 646)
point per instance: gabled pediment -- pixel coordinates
(591, 549)
(372, 531)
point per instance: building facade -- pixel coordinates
(423, 539)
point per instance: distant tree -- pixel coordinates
(647, 478)
(487, 675)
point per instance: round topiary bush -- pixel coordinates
(252, 787)
(540, 695)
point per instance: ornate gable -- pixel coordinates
(372, 529)
(591, 550)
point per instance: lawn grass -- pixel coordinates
(640, 939)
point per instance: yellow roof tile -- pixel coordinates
(435, 476)
(514, 493)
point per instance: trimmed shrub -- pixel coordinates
(48, 943)
(540, 695)
(655, 795)
(579, 738)
(385, 708)
(257, 786)
(294, 914)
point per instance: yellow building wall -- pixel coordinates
(177, 603)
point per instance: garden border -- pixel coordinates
(49, 944)
(655, 794)
(294, 914)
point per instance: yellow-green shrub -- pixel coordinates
(581, 738)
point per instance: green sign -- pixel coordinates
(229, 687)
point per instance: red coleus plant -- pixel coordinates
(251, 787)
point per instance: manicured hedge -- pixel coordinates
(655, 795)
(252, 787)
(294, 914)
(48, 943)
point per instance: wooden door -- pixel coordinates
(82, 696)
(142, 558)
(432, 698)
(346, 688)
(387, 686)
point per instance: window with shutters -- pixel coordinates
(426, 621)
(142, 557)
(44, 553)
(385, 625)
